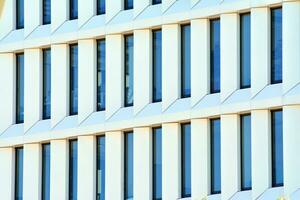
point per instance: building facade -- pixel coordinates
(149, 99)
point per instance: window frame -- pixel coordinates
(126, 153)
(183, 159)
(98, 154)
(155, 2)
(45, 22)
(19, 151)
(71, 82)
(98, 7)
(45, 115)
(43, 195)
(127, 68)
(71, 170)
(155, 97)
(20, 25)
(71, 11)
(19, 88)
(101, 106)
(154, 152)
(183, 67)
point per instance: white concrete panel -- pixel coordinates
(260, 49)
(230, 156)
(87, 168)
(166, 4)
(291, 148)
(142, 69)
(140, 5)
(33, 87)
(142, 163)
(113, 8)
(290, 44)
(171, 161)
(170, 64)
(200, 158)
(114, 165)
(87, 75)
(261, 152)
(114, 73)
(7, 17)
(7, 173)
(59, 13)
(59, 175)
(59, 82)
(32, 15)
(86, 10)
(32, 175)
(7, 90)
(200, 56)
(229, 54)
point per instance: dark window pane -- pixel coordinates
(157, 63)
(215, 56)
(246, 182)
(128, 4)
(20, 14)
(157, 164)
(46, 11)
(245, 50)
(185, 61)
(101, 75)
(101, 168)
(277, 149)
(73, 170)
(100, 7)
(186, 160)
(128, 165)
(20, 88)
(19, 174)
(46, 172)
(73, 79)
(276, 46)
(128, 70)
(215, 156)
(73, 9)
(46, 83)
(156, 2)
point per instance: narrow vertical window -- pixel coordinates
(128, 4)
(276, 45)
(128, 165)
(20, 88)
(186, 160)
(128, 70)
(73, 9)
(20, 14)
(215, 151)
(245, 50)
(73, 170)
(46, 83)
(154, 2)
(73, 79)
(19, 174)
(157, 63)
(101, 168)
(101, 75)
(277, 149)
(100, 7)
(46, 172)
(185, 61)
(46, 12)
(215, 56)
(157, 164)
(246, 182)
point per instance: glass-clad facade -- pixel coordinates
(157, 66)
(128, 71)
(215, 152)
(46, 172)
(215, 83)
(73, 168)
(73, 9)
(19, 88)
(185, 61)
(19, 14)
(101, 80)
(46, 83)
(46, 12)
(73, 79)
(186, 188)
(19, 173)
(157, 163)
(128, 187)
(101, 168)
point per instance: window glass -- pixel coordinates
(73, 9)
(215, 56)
(185, 61)
(101, 168)
(186, 160)
(20, 14)
(74, 79)
(19, 174)
(128, 4)
(128, 70)
(157, 63)
(46, 172)
(101, 81)
(46, 11)
(129, 165)
(157, 163)
(20, 88)
(100, 7)
(156, 2)
(73, 170)
(215, 156)
(46, 83)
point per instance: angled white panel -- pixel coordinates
(7, 173)
(166, 4)
(86, 10)
(140, 5)
(113, 8)
(7, 19)
(59, 13)
(32, 15)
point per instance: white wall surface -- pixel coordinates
(7, 169)
(59, 13)
(33, 15)
(86, 10)
(7, 17)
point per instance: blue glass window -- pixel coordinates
(215, 56)
(19, 174)
(128, 4)
(73, 9)
(128, 70)
(185, 61)
(101, 75)
(246, 182)
(46, 172)
(276, 45)
(157, 164)
(73, 170)
(245, 50)
(128, 165)
(101, 168)
(100, 7)
(186, 160)
(20, 14)
(73, 79)
(46, 83)
(46, 11)
(156, 2)
(277, 149)
(157, 63)
(20, 88)
(215, 150)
